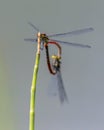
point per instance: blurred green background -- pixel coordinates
(82, 69)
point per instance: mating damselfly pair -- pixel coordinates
(55, 66)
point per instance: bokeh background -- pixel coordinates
(82, 69)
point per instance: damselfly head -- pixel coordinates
(56, 57)
(44, 37)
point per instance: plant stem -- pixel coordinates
(33, 87)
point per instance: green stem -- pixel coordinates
(33, 89)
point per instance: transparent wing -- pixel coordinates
(73, 44)
(53, 86)
(33, 26)
(30, 39)
(76, 32)
(56, 87)
(61, 90)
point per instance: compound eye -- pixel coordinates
(42, 35)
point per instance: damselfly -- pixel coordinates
(47, 38)
(54, 68)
